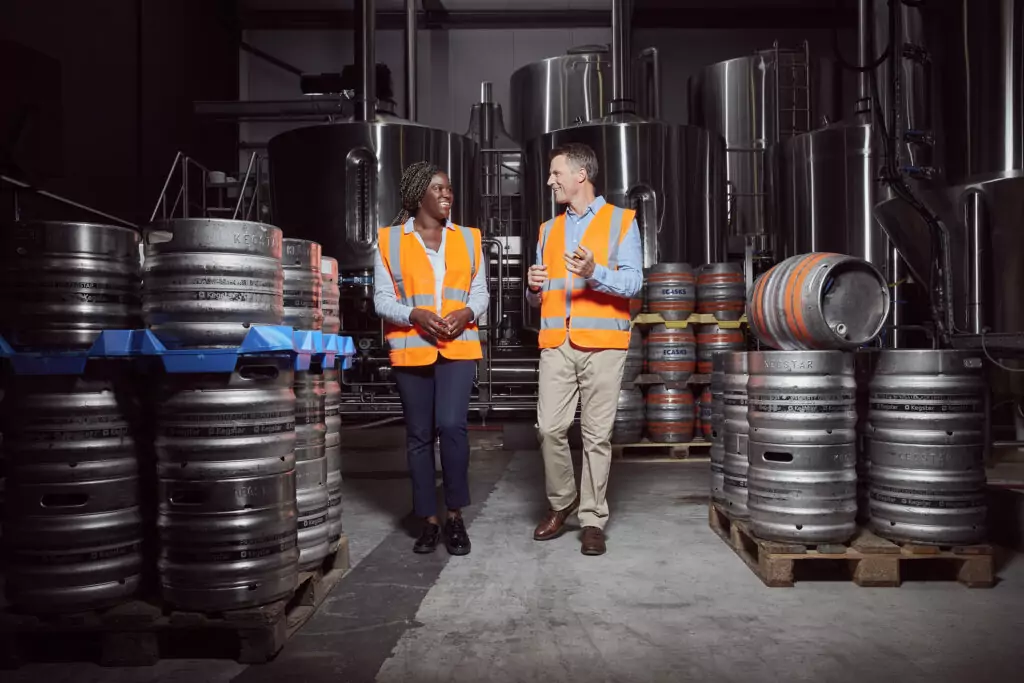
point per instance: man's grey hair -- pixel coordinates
(578, 156)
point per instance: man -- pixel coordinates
(589, 265)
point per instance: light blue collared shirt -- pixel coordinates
(625, 282)
(386, 302)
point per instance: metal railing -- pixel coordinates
(20, 186)
(182, 197)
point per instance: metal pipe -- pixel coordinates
(621, 54)
(865, 35)
(368, 62)
(501, 278)
(63, 200)
(411, 60)
(974, 219)
(650, 55)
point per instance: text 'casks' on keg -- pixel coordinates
(925, 441)
(721, 291)
(629, 417)
(332, 440)
(717, 388)
(669, 414)
(802, 479)
(671, 353)
(73, 526)
(225, 445)
(311, 493)
(303, 284)
(330, 300)
(208, 280)
(634, 356)
(819, 301)
(63, 283)
(735, 428)
(712, 339)
(671, 290)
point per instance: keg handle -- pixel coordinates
(187, 497)
(63, 500)
(774, 456)
(158, 236)
(258, 372)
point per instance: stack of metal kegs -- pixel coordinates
(838, 432)
(73, 515)
(179, 441)
(678, 351)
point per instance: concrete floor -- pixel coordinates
(669, 602)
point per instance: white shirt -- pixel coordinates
(437, 263)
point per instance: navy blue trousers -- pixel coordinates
(435, 400)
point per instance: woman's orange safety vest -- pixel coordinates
(596, 320)
(413, 277)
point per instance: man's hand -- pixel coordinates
(429, 322)
(537, 277)
(456, 321)
(580, 262)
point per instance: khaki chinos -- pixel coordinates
(569, 374)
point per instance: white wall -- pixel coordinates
(453, 63)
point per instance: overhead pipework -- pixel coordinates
(411, 60)
(367, 59)
(622, 93)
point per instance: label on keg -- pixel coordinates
(965, 456)
(966, 407)
(678, 352)
(717, 467)
(332, 410)
(244, 549)
(735, 402)
(38, 435)
(334, 500)
(246, 283)
(308, 522)
(788, 364)
(267, 239)
(222, 430)
(930, 499)
(53, 558)
(733, 481)
(672, 291)
(214, 295)
(814, 408)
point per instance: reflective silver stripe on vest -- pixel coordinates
(453, 294)
(417, 300)
(613, 238)
(570, 278)
(395, 257)
(578, 323)
(545, 232)
(469, 335)
(411, 342)
(552, 323)
(555, 284)
(467, 235)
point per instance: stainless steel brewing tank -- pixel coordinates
(673, 175)
(337, 184)
(827, 191)
(561, 91)
(754, 102)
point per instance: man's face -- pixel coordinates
(564, 180)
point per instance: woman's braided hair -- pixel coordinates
(415, 181)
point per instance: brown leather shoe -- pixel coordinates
(593, 541)
(553, 523)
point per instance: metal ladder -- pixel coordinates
(195, 195)
(792, 91)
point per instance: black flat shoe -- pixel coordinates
(427, 542)
(455, 537)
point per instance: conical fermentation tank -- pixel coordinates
(673, 176)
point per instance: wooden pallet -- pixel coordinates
(868, 559)
(140, 633)
(648, 451)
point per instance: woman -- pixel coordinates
(430, 288)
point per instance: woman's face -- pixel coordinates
(437, 202)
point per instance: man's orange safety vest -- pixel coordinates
(413, 277)
(595, 320)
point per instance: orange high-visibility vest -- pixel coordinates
(596, 320)
(413, 277)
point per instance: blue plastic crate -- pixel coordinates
(261, 339)
(109, 344)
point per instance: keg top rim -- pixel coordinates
(79, 225)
